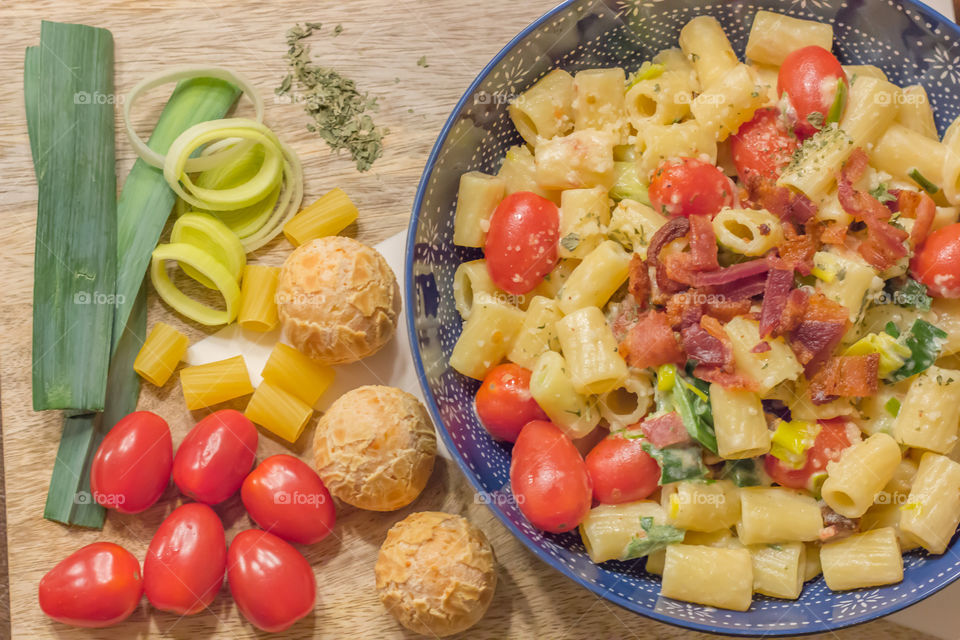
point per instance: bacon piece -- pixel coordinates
(651, 342)
(735, 380)
(639, 285)
(762, 347)
(921, 207)
(674, 229)
(836, 526)
(703, 244)
(705, 348)
(666, 430)
(742, 290)
(625, 316)
(725, 309)
(684, 309)
(783, 202)
(775, 294)
(884, 243)
(834, 233)
(731, 274)
(848, 376)
(819, 331)
(797, 249)
(792, 314)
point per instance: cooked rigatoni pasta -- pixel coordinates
(739, 423)
(293, 371)
(932, 511)
(734, 287)
(598, 101)
(774, 36)
(628, 403)
(550, 385)
(595, 279)
(608, 529)
(278, 411)
(537, 333)
(160, 354)
(705, 44)
(329, 215)
(206, 385)
(544, 110)
(779, 570)
(478, 196)
(708, 575)
(584, 216)
(702, 506)
(866, 559)
(930, 414)
(581, 159)
(770, 515)
(591, 352)
(258, 298)
(748, 232)
(862, 471)
(487, 337)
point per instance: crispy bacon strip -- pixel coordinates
(848, 376)
(639, 283)
(674, 229)
(796, 251)
(775, 294)
(666, 430)
(836, 526)
(834, 233)
(920, 207)
(724, 309)
(703, 244)
(706, 348)
(735, 380)
(651, 342)
(819, 331)
(783, 202)
(884, 243)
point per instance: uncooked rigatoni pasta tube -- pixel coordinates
(205, 385)
(160, 354)
(258, 293)
(297, 373)
(328, 216)
(278, 411)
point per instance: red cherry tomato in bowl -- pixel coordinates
(96, 586)
(216, 456)
(689, 187)
(937, 262)
(131, 468)
(763, 146)
(621, 471)
(504, 403)
(271, 582)
(186, 560)
(286, 497)
(810, 76)
(521, 246)
(549, 478)
(830, 442)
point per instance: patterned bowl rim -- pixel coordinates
(409, 293)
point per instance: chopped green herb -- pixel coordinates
(570, 241)
(816, 119)
(657, 537)
(881, 192)
(924, 183)
(912, 294)
(839, 102)
(743, 473)
(677, 463)
(337, 30)
(422, 62)
(693, 405)
(924, 341)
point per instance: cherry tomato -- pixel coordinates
(504, 403)
(809, 77)
(549, 478)
(271, 582)
(827, 447)
(937, 262)
(762, 146)
(131, 469)
(286, 497)
(96, 586)
(215, 457)
(689, 187)
(521, 244)
(621, 471)
(186, 560)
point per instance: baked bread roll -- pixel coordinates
(374, 448)
(338, 300)
(435, 573)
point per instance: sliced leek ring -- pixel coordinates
(215, 238)
(206, 265)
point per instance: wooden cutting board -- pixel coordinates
(379, 47)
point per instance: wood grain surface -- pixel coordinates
(379, 47)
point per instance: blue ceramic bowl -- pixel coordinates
(909, 41)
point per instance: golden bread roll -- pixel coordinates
(338, 300)
(374, 448)
(435, 573)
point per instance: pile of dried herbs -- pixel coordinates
(338, 109)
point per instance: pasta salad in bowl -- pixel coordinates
(684, 297)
